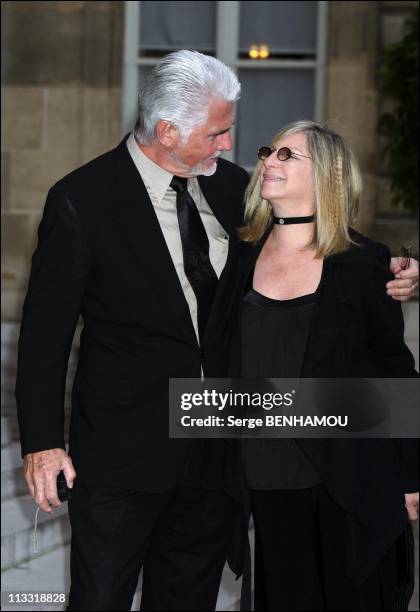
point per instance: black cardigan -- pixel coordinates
(356, 331)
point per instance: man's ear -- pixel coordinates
(167, 134)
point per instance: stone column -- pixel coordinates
(61, 92)
(351, 96)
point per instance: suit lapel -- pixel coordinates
(222, 291)
(248, 277)
(137, 219)
(222, 209)
(216, 198)
(326, 324)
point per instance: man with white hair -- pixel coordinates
(112, 244)
(139, 242)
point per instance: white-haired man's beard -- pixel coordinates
(198, 169)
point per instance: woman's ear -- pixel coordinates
(167, 134)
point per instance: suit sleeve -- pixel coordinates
(386, 322)
(386, 331)
(60, 267)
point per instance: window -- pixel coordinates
(168, 26)
(285, 86)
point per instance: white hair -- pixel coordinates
(180, 90)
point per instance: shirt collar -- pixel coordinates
(157, 179)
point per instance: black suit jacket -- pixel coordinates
(101, 254)
(356, 331)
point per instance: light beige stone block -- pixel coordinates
(352, 28)
(60, 7)
(100, 121)
(103, 27)
(94, 122)
(22, 114)
(115, 133)
(44, 44)
(392, 28)
(33, 173)
(19, 235)
(352, 109)
(11, 303)
(64, 118)
(367, 205)
(5, 166)
(400, 4)
(347, 81)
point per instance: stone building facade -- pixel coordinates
(61, 106)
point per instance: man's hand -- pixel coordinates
(41, 470)
(412, 505)
(406, 281)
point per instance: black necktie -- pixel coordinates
(195, 249)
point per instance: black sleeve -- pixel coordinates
(60, 267)
(385, 322)
(408, 456)
(386, 331)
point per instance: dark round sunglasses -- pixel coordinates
(282, 154)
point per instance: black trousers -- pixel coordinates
(300, 559)
(179, 537)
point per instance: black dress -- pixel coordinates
(274, 336)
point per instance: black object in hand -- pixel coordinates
(405, 256)
(63, 492)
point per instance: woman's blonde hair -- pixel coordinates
(337, 183)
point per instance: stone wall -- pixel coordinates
(61, 99)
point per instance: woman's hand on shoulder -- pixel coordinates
(412, 505)
(405, 282)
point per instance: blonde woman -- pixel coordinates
(331, 516)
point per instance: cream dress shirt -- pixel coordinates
(163, 197)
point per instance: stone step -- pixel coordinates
(9, 332)
(6, 430)
(8, 360)
(47, 573)
(9, 424)
(50, 573)
(8, 370)
(411, 320)
(13, 483)
(17, 530)
(8, 400)
(10, 457)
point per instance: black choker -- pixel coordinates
(292, 220)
